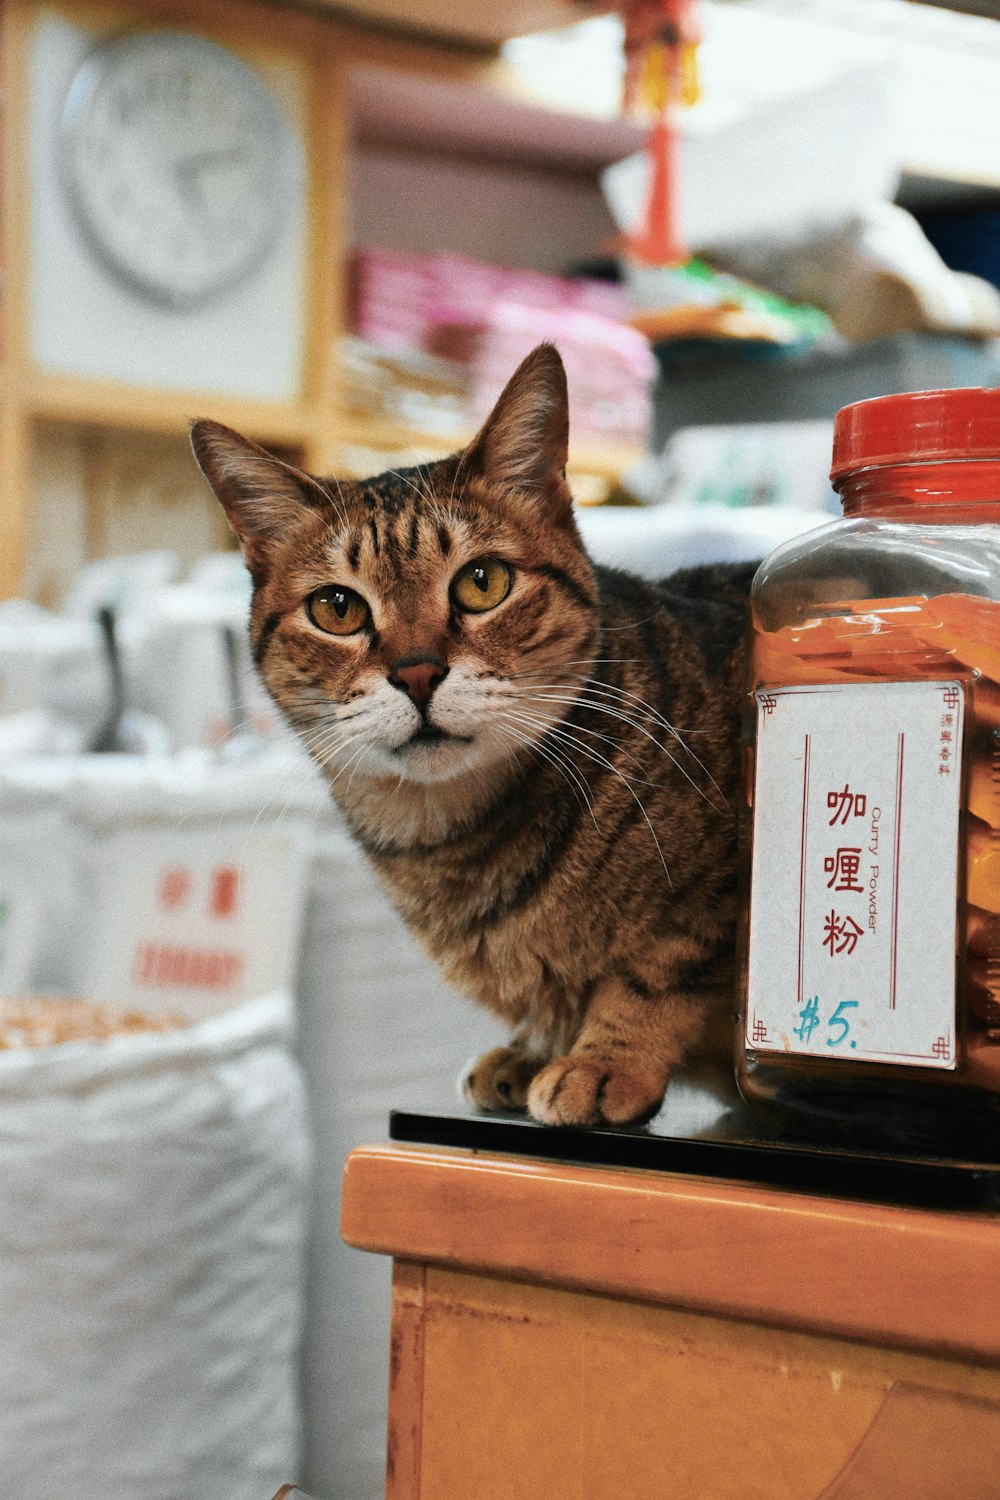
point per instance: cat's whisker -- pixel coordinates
(568, 771)
(297, 773)
(561, 727)
(422, 491)
(627, 782)
(657, 717)
(597, 661)
(404, 479)
(633, 624)
(323, 746)
(340, 500)
(603, 708)
(326, 741)
(261, 811)
(454, 479)
(327, 733)
(596, 684)
(585, 698)
(358, 761)
(324, 484)
(362, 750)
(591, 753)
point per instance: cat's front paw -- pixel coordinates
(500, 1079)
(594, 1091)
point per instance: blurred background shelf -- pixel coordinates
(406, 143)
(423, 129)
(705, 386)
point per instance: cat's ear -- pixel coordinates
(524, 442)
(263, 498)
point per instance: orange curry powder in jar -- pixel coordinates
(871, 973)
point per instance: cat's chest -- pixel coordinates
(514, 949)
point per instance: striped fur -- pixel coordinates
(567, 851)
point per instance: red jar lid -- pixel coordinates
(916, 427)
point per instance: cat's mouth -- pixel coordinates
(430, 734)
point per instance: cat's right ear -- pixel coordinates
(263, 498)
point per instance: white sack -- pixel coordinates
(152, 1196)
(122, 583)
(180, 883)
(51, 663)
(178, 671)
(41, 913)
(380, 1030)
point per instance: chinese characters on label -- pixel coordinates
(841, 930)
(854, 880)
(184, 961)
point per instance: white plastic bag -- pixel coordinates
(152, 1193)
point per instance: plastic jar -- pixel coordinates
(871, 942)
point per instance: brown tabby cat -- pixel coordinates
(538, 755)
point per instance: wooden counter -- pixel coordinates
(584, 1333)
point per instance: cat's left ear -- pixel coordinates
(524, 442)
(262, 496)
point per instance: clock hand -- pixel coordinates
(197, 161)
(189, 171)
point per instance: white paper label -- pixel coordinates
(196, 919)
(855, 872)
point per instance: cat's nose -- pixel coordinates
(418, 676)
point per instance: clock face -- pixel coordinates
(178, 162)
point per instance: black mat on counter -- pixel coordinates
(702, 1133)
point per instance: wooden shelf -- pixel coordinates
(608, 460)
(472, 24)
(491, 118)
(63, 398)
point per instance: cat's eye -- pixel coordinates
(481, 585)
(337, 610)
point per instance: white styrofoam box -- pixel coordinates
(186, 877)
(656, 540)
(379, 1030)
(152, 1203)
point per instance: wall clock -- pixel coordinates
(178, 163)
